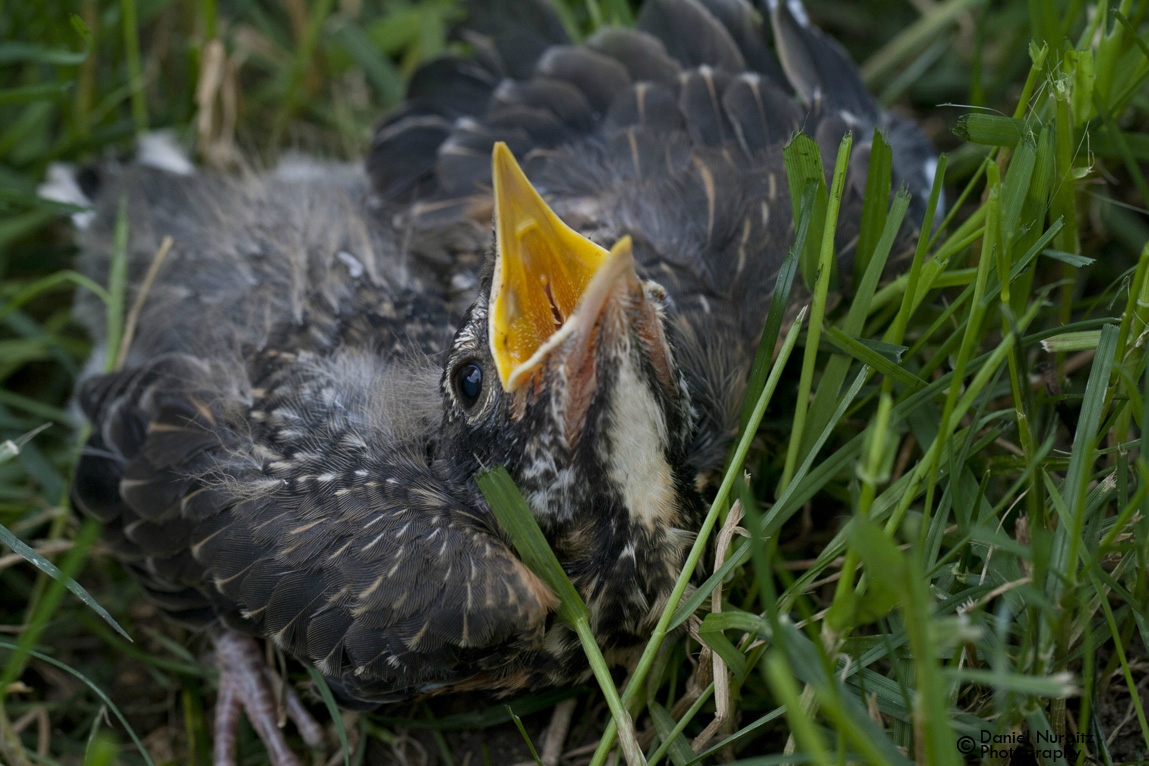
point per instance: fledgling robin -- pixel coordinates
(288, 450)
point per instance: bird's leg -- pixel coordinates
(720, 674)
(307, 726)
(246, 683)
(227, 710)
(556, 735)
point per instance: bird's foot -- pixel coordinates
(245, 682)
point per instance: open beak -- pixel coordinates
(562, 303)
(543, 269)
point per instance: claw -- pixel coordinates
(245, 682)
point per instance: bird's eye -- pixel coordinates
(469, 383)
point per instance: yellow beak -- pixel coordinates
(542, 270)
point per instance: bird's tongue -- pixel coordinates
(551, 285)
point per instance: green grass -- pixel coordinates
(948, 516)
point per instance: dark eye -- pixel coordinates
(469, 383)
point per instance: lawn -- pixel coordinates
(941, 538)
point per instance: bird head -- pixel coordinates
(562, 371)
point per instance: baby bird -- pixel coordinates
(288, 450)
(323, 363)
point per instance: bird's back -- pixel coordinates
(258, 260)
